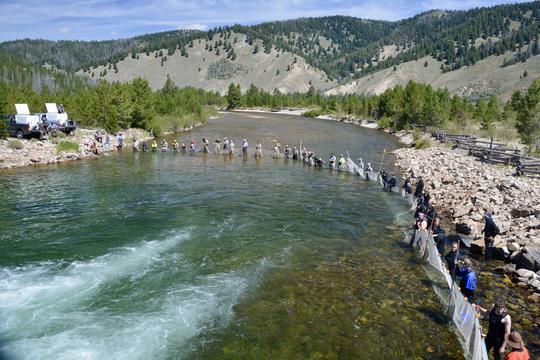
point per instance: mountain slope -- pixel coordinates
(322, 52)
(210, 66)
(485, 78)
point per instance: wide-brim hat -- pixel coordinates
(514, 340)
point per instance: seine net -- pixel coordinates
(462, 313)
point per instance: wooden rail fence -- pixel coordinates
(493, 152)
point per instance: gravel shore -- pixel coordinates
(18, 153)
(463, 189)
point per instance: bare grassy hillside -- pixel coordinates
(212, 71)
(484, 78)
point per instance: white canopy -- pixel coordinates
(22, 109)
(51, 108)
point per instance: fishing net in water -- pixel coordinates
(462, 312)
(350, 166)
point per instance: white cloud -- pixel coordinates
(65, 30)
(101, 19)
(197, 26)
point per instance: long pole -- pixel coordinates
(380, 166)
(382, 159)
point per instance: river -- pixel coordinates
(179, 256)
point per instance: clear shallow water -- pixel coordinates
(168, 256)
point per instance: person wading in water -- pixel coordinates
(258, 150)
(245, 148)
(467, 285)
(500, 326)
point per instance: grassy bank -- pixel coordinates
(67, 146)
(179, 121)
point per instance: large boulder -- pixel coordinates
(478, 246)
(461, 211)
(463, 228)
(517, 213)
(524, 273)
(529, 258)
(500, 251)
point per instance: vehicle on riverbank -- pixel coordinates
(56, 119)
(24, 124)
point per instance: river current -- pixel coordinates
(179, 256)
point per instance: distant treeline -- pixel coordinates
(414, 105)
(114, 106)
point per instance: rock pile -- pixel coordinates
(15, 153)
(464, 189)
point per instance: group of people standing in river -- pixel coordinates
(500, 333)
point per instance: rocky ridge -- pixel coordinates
(464, 189)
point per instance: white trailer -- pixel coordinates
(57, 118)
(24, 117)
(54, 116)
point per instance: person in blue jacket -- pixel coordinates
(467, 285)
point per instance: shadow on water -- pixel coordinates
(436, 315)
(3, 355)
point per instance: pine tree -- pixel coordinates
(233, 96)
(3, 110)
(528, 117)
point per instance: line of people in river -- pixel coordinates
(227, 147)
(500, 333)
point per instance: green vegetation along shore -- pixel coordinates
(415, 105)
(115, 106)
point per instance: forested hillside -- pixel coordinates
(341, 46)
(14, 70)
(75, 55)
(323, 52)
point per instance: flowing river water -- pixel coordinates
(179, 256)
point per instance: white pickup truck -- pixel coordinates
(24, 124)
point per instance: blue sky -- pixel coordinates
(111, 19)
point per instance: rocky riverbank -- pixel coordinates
(463, 189)
(19, 153)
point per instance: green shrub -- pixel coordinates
(67, 146)
(385, 122)
(3, 129)
(16, 144)
(179, 121)
(312, 113)
(59, 134)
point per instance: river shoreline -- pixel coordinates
(464, 189)
(29, 152)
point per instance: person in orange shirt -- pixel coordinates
(519, 351)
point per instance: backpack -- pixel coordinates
(492, 229)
